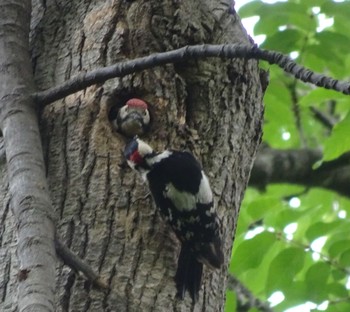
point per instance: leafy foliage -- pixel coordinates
(289, 239)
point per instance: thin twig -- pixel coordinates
(295, 98)
(77, 264)
(326, 120)
(121, 69)
(297, 112)
(306, 247)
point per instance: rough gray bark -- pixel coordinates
(296, 167)
(213, 108)
(27, 283)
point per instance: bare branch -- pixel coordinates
(327, 120)
(296, 111)
(77, 264)
(296, 167)
(121, 69)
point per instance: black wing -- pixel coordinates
(181, 169)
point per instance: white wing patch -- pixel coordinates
(205, 195)
(181, 200)
(187, 201)
(158, 158)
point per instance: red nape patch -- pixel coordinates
(136, 157)
(137, 103)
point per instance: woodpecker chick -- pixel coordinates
(183, 195)
(133, 118)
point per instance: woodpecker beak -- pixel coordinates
(134, 117)
(133, 124)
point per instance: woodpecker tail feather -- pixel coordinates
(189, 273)
(210, 254)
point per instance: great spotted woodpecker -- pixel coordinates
(182, 192)
(133, 118)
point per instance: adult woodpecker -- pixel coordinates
(133, 118)
(182, 192)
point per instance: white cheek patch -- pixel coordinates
(181, 200)
(143, 148)
(205, 195)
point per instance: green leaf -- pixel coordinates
(339, 141)
(340, 306)
(337, 290)
(284, 217)
(257, 209)
(341, 23)
(338, 274)
(251, 252)
(295, 295)
(265, 266)
(250, 9)
(329, 37)
(285, 41)
(338, 247)
(313, 59)
(284, 268)
(231, 301)
(344, 259)
(319, 229)
(319, 95)
(333, 9)
(316, 279)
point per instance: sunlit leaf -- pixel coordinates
(319, 95)
(332, 8)
(319, 229)
(285, 41)
(339, 142)
(284, 217)
(316, 279)
(250, 9)
(338, 274)
(339, 247)
(259, 208)
(296, 295)
(337, 290)
(339, 306)
(250, 253)
(231, 301)
(283, 269)
(269, 261)
(344, 259)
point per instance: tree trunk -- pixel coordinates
(104, 211)
(25, 188)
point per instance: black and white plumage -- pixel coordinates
(133, 118)
(182, 192)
